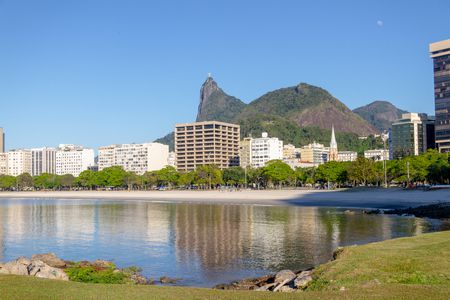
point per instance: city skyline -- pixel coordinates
(128, 73)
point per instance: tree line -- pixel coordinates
(428, 168)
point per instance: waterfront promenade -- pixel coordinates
(364, 198)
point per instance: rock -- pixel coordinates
(23, 261)
(265, 287)
(40, 269)
(166, 280)
(50, 259)
(349, 212)
(284, 275)
(281, 284)
(303, 279)
(16, 267)
(286, 289)
(102, 264)
(337, 252)
(139, 279)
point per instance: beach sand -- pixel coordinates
(356, 198)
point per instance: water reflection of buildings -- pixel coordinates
(218, 237)
(215, 234)
(261, 237)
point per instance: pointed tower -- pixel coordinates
(333, 156)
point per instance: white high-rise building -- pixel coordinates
(258, 151)
(3, 163)
(71, 159)
(19, 162)
(43, 160)
(137, 158)
(172, 159)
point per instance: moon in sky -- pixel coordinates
(380, 23)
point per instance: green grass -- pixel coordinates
(406, 268)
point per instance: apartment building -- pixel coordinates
(347, 155)
(136, 158)
(314, 153)
(264, 149)
(3, 163)
(204, 143)
(377, 154)
(73, 159)
(411, 135)
(19, 162)
(172, 159)
(291, 152)
(43, 160)
(440, 53)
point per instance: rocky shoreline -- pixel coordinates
(433, 211)
(49, 266)
(283, 281)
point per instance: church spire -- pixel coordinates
(333, 154)
(333, 143)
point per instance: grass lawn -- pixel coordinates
(406, 268)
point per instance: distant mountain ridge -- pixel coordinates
(380, 114)
(299, 115)
(308, 105)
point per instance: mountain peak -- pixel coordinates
(215, 104)
(379, 113)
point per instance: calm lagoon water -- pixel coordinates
(204, 244)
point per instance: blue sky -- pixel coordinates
(102, 72)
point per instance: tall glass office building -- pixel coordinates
(440, 52)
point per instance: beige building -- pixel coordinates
(314, 153)
(204, 143)
(290, 152)
(245, 153)
(19, 162)
(3, 163)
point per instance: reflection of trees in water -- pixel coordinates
(214, 236)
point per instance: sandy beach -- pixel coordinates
(370, 198)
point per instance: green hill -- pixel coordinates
(297, 115)
(307, 105)
(381, 114)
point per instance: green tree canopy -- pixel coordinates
(278, 172)
(234, 175)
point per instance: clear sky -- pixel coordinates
(101, 72)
